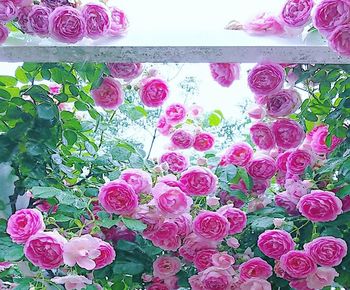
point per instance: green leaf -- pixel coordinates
(8, 81)
(30, 66)
(80, 106)
(340, 132)
(262, 223)
(45, 192)
(4, 94)
(107, 222)
(344, 191)
(214, 119)
(47, 111)
(310, 116)
(10, 251)
(124, 267)
(134, 225)
(70, 136)
(21, 75)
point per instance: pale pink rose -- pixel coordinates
(23, 224)
(297, 13)
(225, 73)
(198, 181)
(275, 243)
(264, 24)
(45, 250)
(212, 226)
(233, 243)
(165, 236)
(292, 78)
(288, 202)
(195, 282)
(109, 95)
(125, 71)
(106, 256)
(177, 162)
(192, 244)
(257, 113)
(299, 285)
(288, 133)
(320, 206)
(163, 127)
(202, 161)
(66, 24)
(72, 282)
(298, 160)
(278, 222)
(296, 188)
(266, 78)
(38, 20)
(282, 103)
(182, 139)
(118, 197)
(184, 224)
(212, 201)
(238, 154)
(22, 19)
(5, 265)
(327, 251)
(119, 24)
(153, 92)
(324, 276)
(139, 180)
(261, 167)
(262, 136)
(298, 264)
(166, 266)
(255, 284)
(8, 11)
(196, 111)
(175, 113)
(215, 278)
(203, 259)
(236, 218)
(317, 139)
(4, 33)
(97, 18)
(281, 161)
(339, 40)
(172, 282)
(203, 141)
(331, 14)
(223, 260)
(255, 268)
(146, 277)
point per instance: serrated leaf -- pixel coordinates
(134, 225)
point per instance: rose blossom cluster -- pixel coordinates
(61, 21)
(225, 73)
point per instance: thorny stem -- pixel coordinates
(154, 136)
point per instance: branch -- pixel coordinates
(154, 136)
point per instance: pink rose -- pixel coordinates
(138, 179)
(4, 33)
(215, 278)
(212, 201)
(317, 139)
(236, 218)
(296, 188)
(165, 236)
(198, 181)
(146, 277)
(182, 139)
(275, 243)
(233, 243)
(256, 284)
(323, 277)
(299, 285)
(184, 224)
(282, 103)
(225, 73)
(175, 114)
(45, 250)
(281, 161)
(257, 113)
(119, 24)
(22, 19)
(212, 226)
(153, 92)
(264, 24)
(54, 3)
(239, 154)
(157, 286)
(298, 264)
(38, 20)
(331, 14)
(203, 141)
(8, 11)
(262, 167)
(196, 111)
(67, 24)
(109, 95)
(44, 206)
(72, 282)
(259, 187)
(339, 40)
(25, 223)
(177, 162)
(255, 268)
(327, 251)
(346, 203)
(192, 244)
(125, 71)
(296, 13)
(266, 78)
(166, 266)
(288, 202)
(97, 18)
(280, 272)
(262, 136)
(320, 206)
(118, 197)
(298, 160)
(223, 260)
(106, 256)
(288, 133)
(163, 127)
(55, 89)
(203, 259)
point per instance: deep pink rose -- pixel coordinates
(118, 197)
(38, 20)
(266, 78)
(119, 23)
(153, 92)
(23, 224)
(282, 103)
(298, 160)
(320, 206)
(211, 226)
(175, 114)
(331, 14)
(238, 154)
(192, 244)
(203, 259)
(256, 284)
(298, 264)
(184, 224)
(166, 266)
(44, 206)
(264, 24)
(324, 276)
(215, 278)
(262, 136)
(275, 243)
(198, 181)
(4, 33)
(97, 18)
(182, 139)
(281, 161)
(236, 218)
(288, 133)
(125, 71)
(106, 257)
(223, 260)
(346, 203)
(165, 236)
(225, 73)
(177, 162)
(299, 285)
(163, 127)
(296, 13)
(109, 95)
(139, 180)
(288, 202)
(262, 167)
(67, 24)
(157, 286)
(280, 272)
(203, 141)
(8, 11)
(225, 198)
(339, 40)
(114, 234)
(255, 268)
(45, 250)
(327, 251)
(317, 139)
(22, 18)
